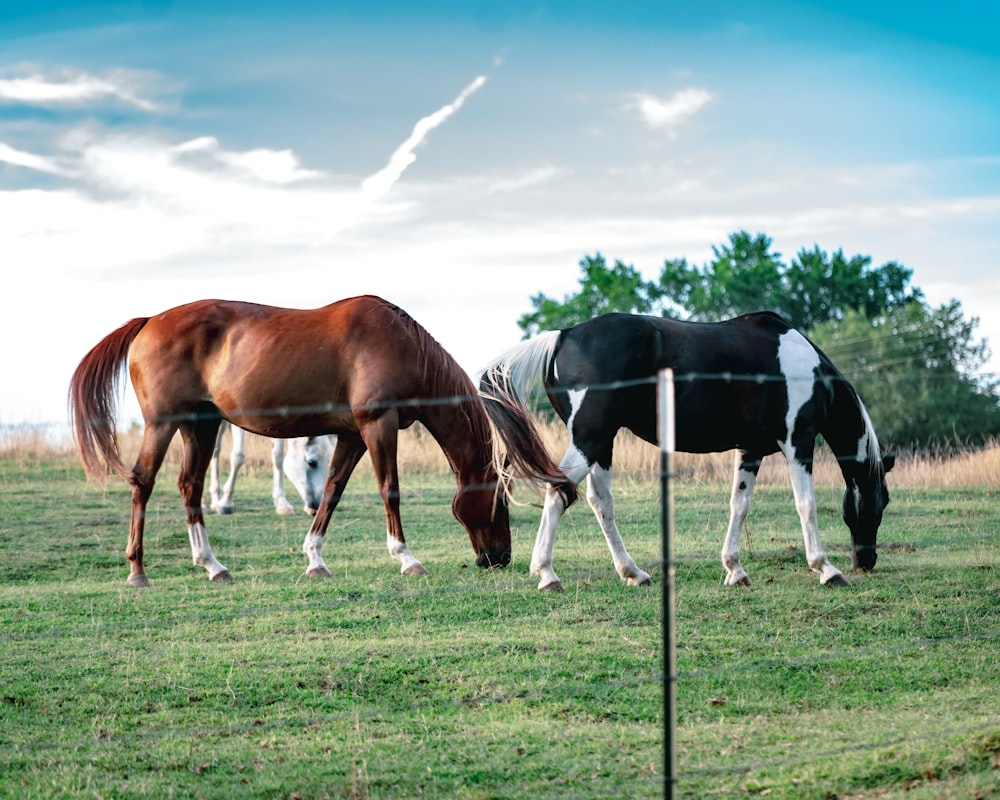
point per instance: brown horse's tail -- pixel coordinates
(502, 386)
(93, 395)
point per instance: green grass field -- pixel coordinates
(472, 684)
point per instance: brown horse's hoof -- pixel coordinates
(319, 572)
(221, 577)
(555, 586)
(416, 569)
(838, 580)
(138, 581)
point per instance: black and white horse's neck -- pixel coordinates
(752, 383)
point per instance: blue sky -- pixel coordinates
(459, 157)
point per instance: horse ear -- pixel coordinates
(888, 462)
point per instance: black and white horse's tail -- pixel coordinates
(506, 385)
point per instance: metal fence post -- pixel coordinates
(665, 415)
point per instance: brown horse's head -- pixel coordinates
(482, 508)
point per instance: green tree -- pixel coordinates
(746, 276)
(602, 289)
(917, 369)
(818, 287)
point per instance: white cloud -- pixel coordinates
(20, 158)
(136, 202)
(139, 223)
(138, 199)
(382, 181)
(268, 166)
(526, 180)
(74, 89)
(667, 114)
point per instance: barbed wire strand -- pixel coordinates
(797, 661)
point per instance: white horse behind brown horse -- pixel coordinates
(304, 460)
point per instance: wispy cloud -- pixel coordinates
(135, 198)
(20, 158)
(669, 113)
(262, 164)
(74, 89)
(382, 181)
(526, 180)
(138, 194)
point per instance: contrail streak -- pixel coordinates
(382, 181)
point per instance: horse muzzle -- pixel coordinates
(864, 559)
(489, 559)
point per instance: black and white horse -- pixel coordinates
(753, 384)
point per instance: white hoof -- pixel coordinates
(638, 578)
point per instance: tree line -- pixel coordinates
(917, 367)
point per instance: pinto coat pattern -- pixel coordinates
(752, 383)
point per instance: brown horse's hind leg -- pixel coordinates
(199, 445)
(155, 440)
(134, 552)
(346, 455)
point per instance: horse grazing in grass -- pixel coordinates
(361, 368)
(304, 460)
(753, 384)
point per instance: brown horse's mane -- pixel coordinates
(445, 379)
(514, 448)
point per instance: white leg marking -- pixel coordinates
(281, 504)
(214, 476)
(603, 504)
(313, 549)
(797, 360)
(541, 555)
(574, 465)
(222, 499)
(408, 564)
(805, 504)
(201, 553)
(739, 508)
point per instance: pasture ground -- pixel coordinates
(472, 684)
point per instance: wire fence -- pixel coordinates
(669, 678)
(804, 758)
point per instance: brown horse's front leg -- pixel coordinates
(380, 436)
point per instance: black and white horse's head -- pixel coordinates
(866, 497)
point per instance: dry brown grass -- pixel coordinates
(634, 459)
(970, 467)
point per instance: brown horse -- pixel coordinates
(360, 368)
